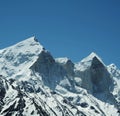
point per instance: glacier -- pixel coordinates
(34, 83)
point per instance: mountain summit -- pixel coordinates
(33, 83)
(19, 57)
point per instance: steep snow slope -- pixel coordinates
(115, 73)
(32, 82)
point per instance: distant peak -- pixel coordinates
(30, 41)
(27, 45)
(93, 54)
(91, 57)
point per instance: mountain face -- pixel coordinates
(34, 83)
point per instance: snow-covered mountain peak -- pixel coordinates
(88, 61)
(20, 56)
(96, 74)
(90, 57)
(93, 54)
(30, 77)
(30, 39)
(28, 45)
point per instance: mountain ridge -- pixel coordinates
(32, 78)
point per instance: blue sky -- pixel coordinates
(72, 28)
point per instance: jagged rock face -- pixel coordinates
(51, 72)
(69, 66)
(2, 89)
(100, 77)
(8, 95)
(20, 103)
(2, 92)
(96, 78)
(43, 64)
(86, 80)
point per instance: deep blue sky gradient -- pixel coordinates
(72, 28)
